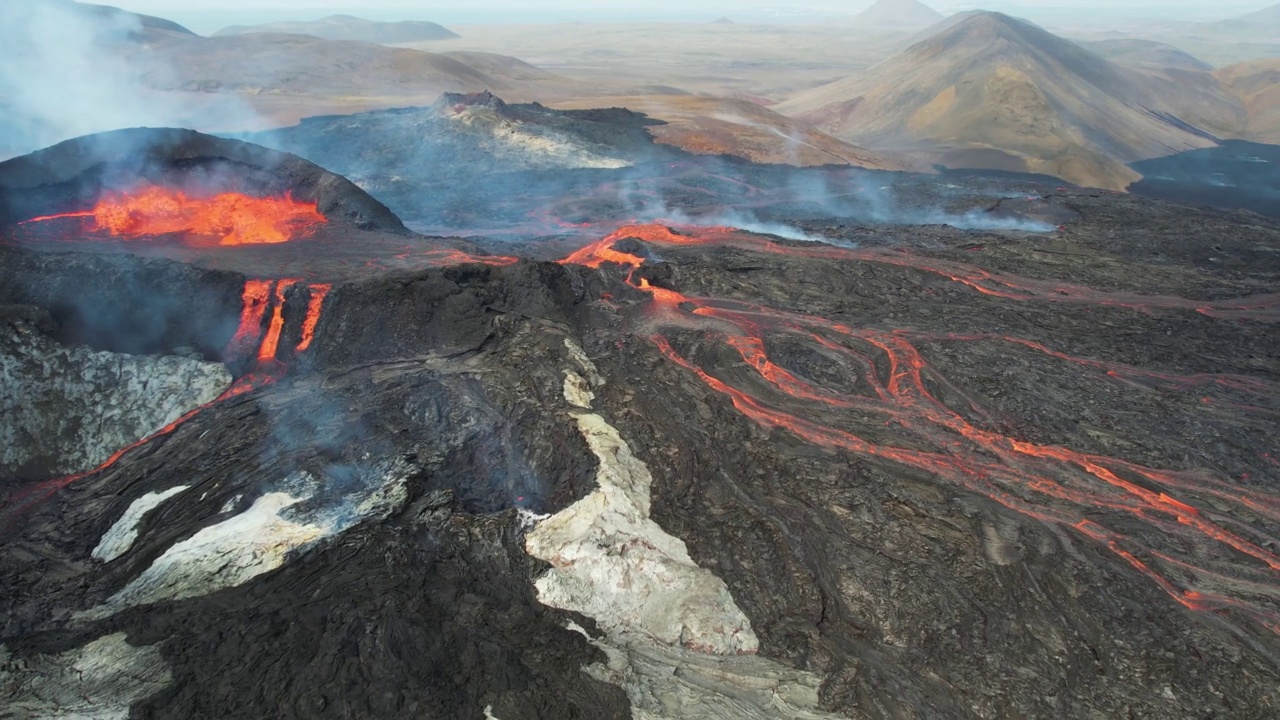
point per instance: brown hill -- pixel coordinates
(898, 14)
(1257, 84)
(346, 27)
(137, 27)
(724, 126)
(997, 92)
(284, 77)
(82, 23)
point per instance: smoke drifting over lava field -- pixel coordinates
(397, 399)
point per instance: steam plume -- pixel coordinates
(69, 69)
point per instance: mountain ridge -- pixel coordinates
(995, 91)
(350, 27)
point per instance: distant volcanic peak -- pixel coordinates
(898, 14)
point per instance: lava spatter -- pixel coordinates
(227, 218)
(1180, 516)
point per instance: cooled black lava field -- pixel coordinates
(926, 448)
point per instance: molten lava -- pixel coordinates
(1113, 502)
(271, 344)
(318, 294)
(256, 296)
(223, 219)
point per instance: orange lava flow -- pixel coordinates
(225, 219)
(256, 296)
(1207, 542)
(318, 294)
(271, 343)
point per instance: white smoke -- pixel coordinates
(875, 198)
(69, 69)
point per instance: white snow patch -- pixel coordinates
(99, 681)
(120, 537)
(611, 562)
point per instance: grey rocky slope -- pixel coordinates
(67, 409)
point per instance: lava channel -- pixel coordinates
(1186, 522)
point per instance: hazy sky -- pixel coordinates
(420, 7)
(208, 15)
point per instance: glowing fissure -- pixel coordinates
(223, 219)
(1054, 485)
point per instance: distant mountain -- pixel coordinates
(271, 69)
(96, 23)
(993, 91)
(706, 125)
(1257, 84)
(1268, 17)
(1263, 24)
(346, 27)
(898, 14)
(1146, 53)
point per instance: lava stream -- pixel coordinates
(225, 219)
(1180, 512)
(271, 343)
(318, 293)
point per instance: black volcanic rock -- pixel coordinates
(445, 392)
(470, 153)
(920, 471)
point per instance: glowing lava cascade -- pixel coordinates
(1183, 516)
(224, 219)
